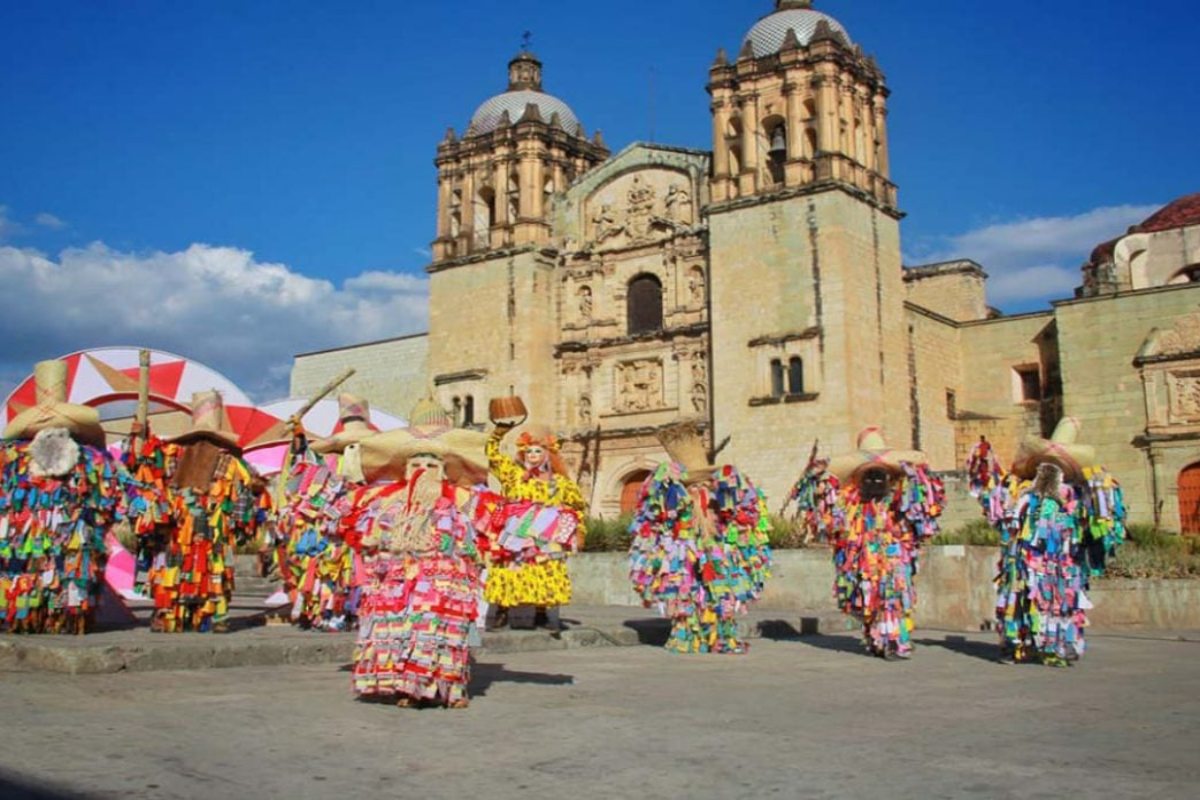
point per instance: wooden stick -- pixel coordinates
(142, 417)
(724, 443)
(295, 420)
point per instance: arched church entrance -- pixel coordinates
(1189, 500)
(629, 489)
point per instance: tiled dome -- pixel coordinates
(769, 32)
(487, 118)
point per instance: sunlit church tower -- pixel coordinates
(809, 333)
(491, 300)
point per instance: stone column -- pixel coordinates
(750, 155)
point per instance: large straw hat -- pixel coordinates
(872, 452)
(431, 431)
(354, 419)
(1060, 449)
(209, 422)
(685, 445)
(51, 410)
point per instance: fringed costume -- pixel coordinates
(1058, 518)
(887, 505)
(700, 550)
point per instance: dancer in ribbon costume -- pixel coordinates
(60, 492)
(217, 502)
(421, 558)
(540, 523)
(888, 505)
(700, 549)
(1058, 516)
(317, 564)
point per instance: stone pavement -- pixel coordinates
(250, 643)
(799, 717)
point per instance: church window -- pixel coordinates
(645, 305)
(776, 377)
(1028, 383)
(468, 411)
(776, 148)
(795, 375)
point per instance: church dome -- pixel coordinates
(767, 35)
(524, 89)
(487, 117)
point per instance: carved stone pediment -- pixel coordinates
(1183, 393)
(637, 207)
(1183, 337)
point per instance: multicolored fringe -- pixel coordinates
(187, 539)
(1040, 602)
(818, 511)
(984, 472)
(702, 556)
(418, 607)
(317, 564)
(52, 532)
(1101, 513)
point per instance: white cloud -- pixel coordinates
(1038, 258)
(48, 220)
(218, 305)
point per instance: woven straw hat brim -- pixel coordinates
(384, 455)
(1070, 458)
(82, 422)
(849, 465)
(351, 434)
(221, 438)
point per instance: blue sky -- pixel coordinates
(208, 156)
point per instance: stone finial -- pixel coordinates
(790, 41)
(532, 114)
(598, 139)
(721, 60)
(451, 136)
(556, 121)
(747, 50)
(505, 120)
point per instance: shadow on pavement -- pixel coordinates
(16, 787)
(484, 675)
(841, 643)
(650, 630)
(985, 651)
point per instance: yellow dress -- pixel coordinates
(539, 525)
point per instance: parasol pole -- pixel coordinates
(294, 425)
(142, 417)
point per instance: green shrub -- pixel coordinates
(607, 535)
(787, 534)
(976, 532)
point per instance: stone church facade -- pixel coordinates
(758, 289)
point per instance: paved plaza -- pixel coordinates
(796, 717)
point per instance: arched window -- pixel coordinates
(776, 377)
(485, 215)
(1189, 274)
(777, 147)
(630, 488)
(795, 375)
(645, 306)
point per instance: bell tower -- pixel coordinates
(801, 104)
(495, 183)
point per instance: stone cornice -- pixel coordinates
(486, 255)
(664, 335)
(801, 191)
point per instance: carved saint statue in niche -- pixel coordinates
(679, 204)
(695, 285)
(700, 398)
(699, 369)
(585, 303)
(585, 410)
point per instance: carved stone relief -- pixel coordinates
(642, 207)
(1182, 337)
(1184, 394)
(639, 385)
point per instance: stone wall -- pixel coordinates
(390, 374)
(954, 590)
(817, 277)
(953, 289)
(935, 358)
(1098, 341)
